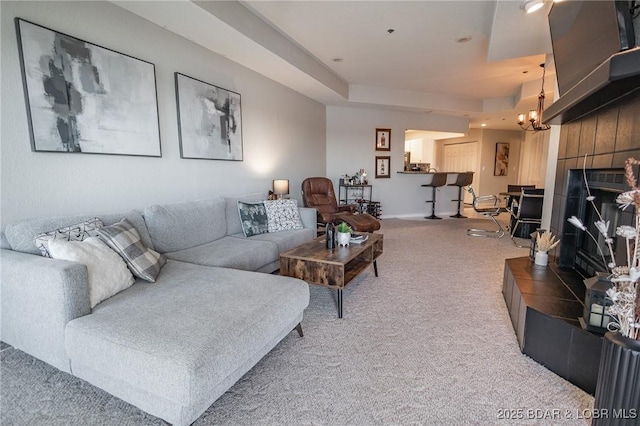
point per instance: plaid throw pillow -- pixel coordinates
(123, 237)
(77, 232)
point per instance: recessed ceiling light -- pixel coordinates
(463, 39)
(337, 59)
(531, 6)
(483, 125)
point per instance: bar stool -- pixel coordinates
(463, 179)
(438, 180)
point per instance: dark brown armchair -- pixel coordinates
(317, 192)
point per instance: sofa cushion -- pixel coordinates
(183, 225)
(283, 215)
(253, 217)
(285, 240)
(107, 272)
(76, 232)
(4, 243)
(231, 210)
(185, 334)
(247, 254)
(21, 234)
(124, 239)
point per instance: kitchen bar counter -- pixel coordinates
(446, 203)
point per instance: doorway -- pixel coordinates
(462, 157)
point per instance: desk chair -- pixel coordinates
(489, 207)
(527, 210)
(438, 180)
(317, 192)
(463, 179)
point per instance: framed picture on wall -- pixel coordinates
(383, 139)
(501, 166)
(382, 166)
(209, 120)
(83, 98)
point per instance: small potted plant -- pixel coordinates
(343, 234)
(544, 242)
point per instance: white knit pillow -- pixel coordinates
(108, 274)
(282, 215)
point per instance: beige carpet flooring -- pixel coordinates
(427, 342)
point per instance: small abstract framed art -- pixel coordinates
(84, 98)
(209, 120)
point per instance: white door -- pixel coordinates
(462, 157)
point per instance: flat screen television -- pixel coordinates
(584, 34)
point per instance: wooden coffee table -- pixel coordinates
(333, 268)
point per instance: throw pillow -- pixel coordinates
(283, 215)
(124, 238)
(77, 232)
(253, 218)
(108, 274)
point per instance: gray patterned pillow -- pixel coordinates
(253, 218)
(283, 215)
(77, 232)
(123, 237)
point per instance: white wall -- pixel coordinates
(351, 146)
(284, 132)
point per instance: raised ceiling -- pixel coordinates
(418, 66)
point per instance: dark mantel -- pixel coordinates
(616, 77)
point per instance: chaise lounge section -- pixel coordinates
(171, 347)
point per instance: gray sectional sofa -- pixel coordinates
(171, 347)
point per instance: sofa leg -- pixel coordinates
(299, 329)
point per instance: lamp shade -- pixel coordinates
(281, 186)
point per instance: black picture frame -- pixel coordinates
(85, 98)
(209, 120)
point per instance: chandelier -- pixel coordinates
(535, 115)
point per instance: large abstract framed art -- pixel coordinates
(85, 98)
(209, 120)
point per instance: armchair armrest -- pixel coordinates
(39, 297)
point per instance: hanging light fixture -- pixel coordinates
(535, 115)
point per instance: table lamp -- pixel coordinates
(280, 187)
